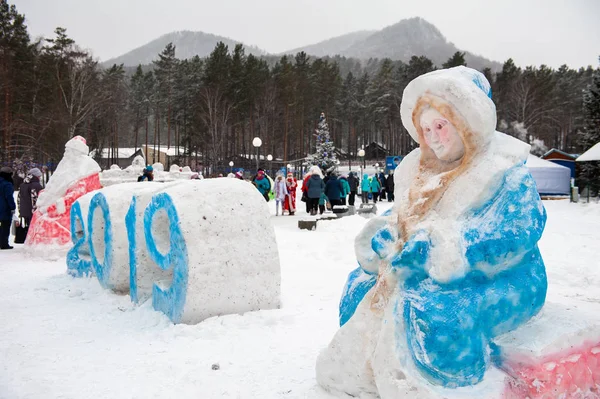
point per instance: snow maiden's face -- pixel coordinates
(441, 136)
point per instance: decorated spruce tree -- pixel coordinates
(324, 157)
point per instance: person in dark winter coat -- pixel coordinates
(314, 188)
(389, 186)
(334, 190)
(28, 195)
(7, 205)
(353, 182)
(381, 178)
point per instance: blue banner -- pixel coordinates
(393, 161)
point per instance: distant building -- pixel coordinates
(561, 158)
(116, 156)
(375, 150)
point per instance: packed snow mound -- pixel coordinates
(131, 173)
(174, 244)
(158, 167)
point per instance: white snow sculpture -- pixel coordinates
(158, 167)
(75, 175)
(171, 242)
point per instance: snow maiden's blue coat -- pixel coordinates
(429, 305)
(504, 287)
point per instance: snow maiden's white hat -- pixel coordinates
(466, 89)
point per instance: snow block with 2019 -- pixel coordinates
(197, 249)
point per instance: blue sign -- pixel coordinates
(393, 161)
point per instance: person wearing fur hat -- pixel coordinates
(281, 192)
(454, 263)
(315, 187)
(28, 195)
(7, 205)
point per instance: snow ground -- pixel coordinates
(68, 338)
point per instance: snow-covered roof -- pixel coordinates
(560, 152)
(536, 162)
(107, 153)
(171, 152)
(593, 154)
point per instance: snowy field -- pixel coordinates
(68, 338)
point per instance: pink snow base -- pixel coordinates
(572, 373)
(54, 227)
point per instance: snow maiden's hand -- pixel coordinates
(410, 260)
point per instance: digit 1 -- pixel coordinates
(172, 300)
(76, 266)
(130, 224)
(102, 269)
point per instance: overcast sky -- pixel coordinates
(536, 32)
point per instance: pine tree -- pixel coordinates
(590, 171)
(457, 59)
(324, 158)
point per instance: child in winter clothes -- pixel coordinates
(322, 201)
(280, 192)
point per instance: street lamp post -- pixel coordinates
(270, 159)
(230, 166)
(257, 142)
(361, 154)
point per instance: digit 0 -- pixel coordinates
(100, 244)
(76, 265)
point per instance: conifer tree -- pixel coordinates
(324, 157)
(590, 171)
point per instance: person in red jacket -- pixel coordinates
(305, 191)
(290, 199)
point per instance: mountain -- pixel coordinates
(187, 43)
(334, 45)
(414, 36)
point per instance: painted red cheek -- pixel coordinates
(444, 134)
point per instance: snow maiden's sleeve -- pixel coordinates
(505, 229)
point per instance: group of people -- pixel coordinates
(379, 186)
(317, 190)
(284, 189)
(29, 190)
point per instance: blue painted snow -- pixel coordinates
(170, 301)
(76, 265)
(449, 327)
(131, 224)
(103, 269)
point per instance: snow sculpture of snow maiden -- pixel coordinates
(172, 242)
(454, 264)
(76, 174)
